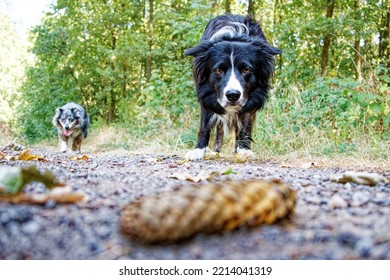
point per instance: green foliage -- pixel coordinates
(126, 65)
(327, 116)
(13, 58)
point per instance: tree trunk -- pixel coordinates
(384, 33)
(278, 19)
(327, 39)
(357, 56)
(214, 6)
(227, 5)
(111, 112)
(251, 8)
(112, 99)
(149, 59)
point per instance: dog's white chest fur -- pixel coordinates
(228, 121)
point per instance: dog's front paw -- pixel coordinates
(195, 154)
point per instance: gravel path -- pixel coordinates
(331, 221)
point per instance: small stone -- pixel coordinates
(337, 202)
(347, 239)
(50, 204)
(364, 247)
(360, 198)
(31, 228)
(305, 183)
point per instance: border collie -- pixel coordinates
(232, 67)
(72, 123)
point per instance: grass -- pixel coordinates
(294, 148)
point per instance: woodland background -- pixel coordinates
(124, 61)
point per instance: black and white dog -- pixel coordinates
(72, 123)
(232, 68)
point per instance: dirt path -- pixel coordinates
(331, 221)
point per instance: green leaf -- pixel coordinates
(13, 179)
(229, 171)
(384, 88)
(377, 108)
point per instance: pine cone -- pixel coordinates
(213, 207)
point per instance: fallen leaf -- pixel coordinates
(78, 158)
(228, 171)
(65, 195)
(2, 155)
(212, 155)
(203, 175)
(27, 156)
(243, 156)
(361, 178)
(160, 159)
(13, 179)
(181, 162)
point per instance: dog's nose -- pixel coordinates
(67, 127)
(233, 95)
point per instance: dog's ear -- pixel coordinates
(274, 50)
(76, 112)
(59, 111)
(57, 115)
(265, 47)
(199, 49)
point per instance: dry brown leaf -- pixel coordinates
(14, 179)
(361, 178)
(59, 195)
(23, 154)
(2, 155)
(79, 158)
(212, 155)
(203, 175)
(181, 162)
(243, 156)
(27, 156)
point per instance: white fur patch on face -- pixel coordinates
(232, 84)
(195, 154)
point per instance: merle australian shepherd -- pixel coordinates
(72, 123)
(232, 68)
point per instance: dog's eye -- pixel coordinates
(246, 70)
(71, 120)
(218, 71)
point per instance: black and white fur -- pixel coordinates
(232, 68)
(72, 123)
